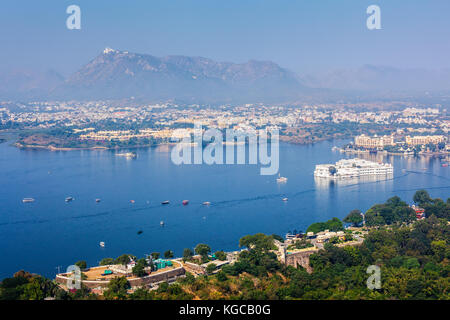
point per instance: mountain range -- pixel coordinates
(120, 74)
(116, 74)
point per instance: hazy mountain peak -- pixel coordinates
(109, 50)
(122, 74)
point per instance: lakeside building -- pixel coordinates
(423, 140)
(347, 168)
(420, 212)
(374, 142)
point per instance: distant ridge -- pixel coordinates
(118, 74)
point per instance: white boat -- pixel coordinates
(128, 155)
(161, 223)
(285, 199)
(102, 244)
(206, 203)
(27, 200)
(281, 179)
(68, 199)
(97, 200)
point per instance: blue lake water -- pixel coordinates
(50, 233)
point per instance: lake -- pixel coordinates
(49, 233)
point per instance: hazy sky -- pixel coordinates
(303, 35)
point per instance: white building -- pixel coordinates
(347, 168)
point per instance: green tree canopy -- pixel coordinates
(139, 269)
(187, 254)
(123, 259)
(421, 197)
(106, 261)
(222, 256)
(333, 225)
(117, 288)
(168, 254)
(81, 264)
(257, 242)
(202, 249)
(155, 255)
(354, 217)
(210, 268)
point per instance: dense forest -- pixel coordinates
(413, 256)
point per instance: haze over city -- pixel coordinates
(325, 43)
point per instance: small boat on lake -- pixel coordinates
(27, 200)
(161, 223)
(68, 199)
(281, 179)
(128, 155)
(285, 199)
(102, 244)
(97, 200)
(185, 202)
(140, 232)
(206, 203)
(132, 201)
(165, 202)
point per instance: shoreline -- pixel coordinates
(52, 148)
(387, 153)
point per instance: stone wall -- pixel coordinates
(300, 258)
(194, 268)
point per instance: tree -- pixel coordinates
(333, 225)
(123, 259)
(421, 197)
(155, 255)
(203, 250)
(106, 261)
(117, 288)
(222, 256)
(440, 249)
(411, 263)
(257, 242)
(221, 276)
(168, 254)
(354, 217)
(139, 269)
(81, 264)
(277, 237)
(33, 290)
(187, 254)
(210, 268)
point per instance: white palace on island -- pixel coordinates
(348, 168)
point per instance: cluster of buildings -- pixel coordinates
(420, 212)
(405, 144)
(379, 142)
(125, 135)
(78, 115)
